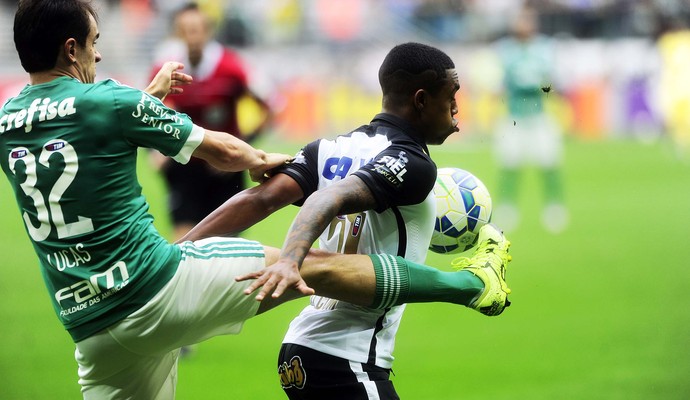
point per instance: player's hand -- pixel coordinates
(273, 161)
(167, 80)
(275, 279)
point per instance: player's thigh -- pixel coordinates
(547, 142)
(201, 301)
(107, 370)
(509, 143)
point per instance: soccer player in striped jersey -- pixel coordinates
(128, 298)
(369, 191)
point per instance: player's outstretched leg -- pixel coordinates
(479, 282)
(489, 263)
(383, 280)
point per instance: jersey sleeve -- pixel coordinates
(303, 169)
(147, 122)
(399, 176)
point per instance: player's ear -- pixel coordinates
(420, 99)
(70, 50)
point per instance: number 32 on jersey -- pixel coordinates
(48, 210)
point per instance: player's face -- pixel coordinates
(526, 25)
(439, 113)
(88, 56)
(192, 28)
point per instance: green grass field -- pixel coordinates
(599, 312)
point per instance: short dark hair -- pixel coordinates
(42, 26)
(405, 69)
(188, 6)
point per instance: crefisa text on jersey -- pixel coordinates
(43, 108)
(161, 118)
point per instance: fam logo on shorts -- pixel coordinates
(293, 374)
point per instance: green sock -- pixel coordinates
(509, 182)
(553, 186)
(400, 281)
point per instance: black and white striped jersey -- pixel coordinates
(397, 168)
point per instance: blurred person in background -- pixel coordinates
(528, 135)
(220, 84)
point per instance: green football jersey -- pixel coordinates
(527, 68)
(69, 151)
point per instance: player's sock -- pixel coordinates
(553, 186)
(400, 281)
(509, 179)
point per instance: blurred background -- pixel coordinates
(317, 60)
(600, 309)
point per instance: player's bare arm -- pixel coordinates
(247, 208)
(348, 196)
(228, 153)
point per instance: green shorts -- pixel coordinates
(137, 357)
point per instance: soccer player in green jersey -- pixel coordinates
(528, 135)
(128, 298)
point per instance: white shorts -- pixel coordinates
(534, 140)
(136, 358)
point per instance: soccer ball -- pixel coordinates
(463, 206)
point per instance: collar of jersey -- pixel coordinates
(401, 124)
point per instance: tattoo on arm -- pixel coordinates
(347, 196)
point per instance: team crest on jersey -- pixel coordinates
(292, 374)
